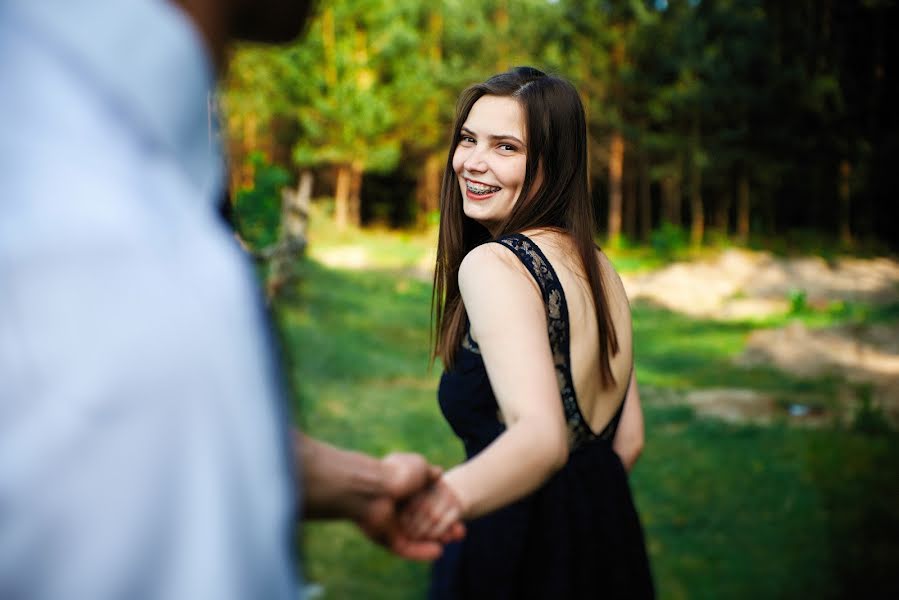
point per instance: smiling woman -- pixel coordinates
(534, 328)
(490, 160)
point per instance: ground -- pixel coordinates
(741, 285)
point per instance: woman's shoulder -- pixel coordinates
(490, 258)
(492, 265)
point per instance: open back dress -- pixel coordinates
(578, 535)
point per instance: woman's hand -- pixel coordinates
(434, 514)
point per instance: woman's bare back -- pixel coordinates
(597, 404)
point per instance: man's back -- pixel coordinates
(143, 449)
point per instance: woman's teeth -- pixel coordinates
(479, 189)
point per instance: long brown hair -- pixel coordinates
(556, 144)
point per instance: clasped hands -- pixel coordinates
(419, 512)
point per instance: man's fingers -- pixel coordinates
(416, 550)
(410, 514)
(407, 473)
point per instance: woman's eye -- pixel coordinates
(507, 147)
(467, 139)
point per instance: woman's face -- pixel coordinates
(490, 160)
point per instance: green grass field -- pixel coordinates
(730, 511)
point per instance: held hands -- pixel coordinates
(433, 514)
(404, 475)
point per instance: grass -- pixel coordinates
(357, 348)
(771, 512)
(730, 511)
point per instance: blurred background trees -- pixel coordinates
(713, 120)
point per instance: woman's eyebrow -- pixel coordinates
(503, 136)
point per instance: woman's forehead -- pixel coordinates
(496, 116)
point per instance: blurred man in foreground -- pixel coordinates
(144, 444)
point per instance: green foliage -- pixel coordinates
(669, 240)
(869, 418)
(854, 312)
(258, 210)
(709, 93)
(798, 301)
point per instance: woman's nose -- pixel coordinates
(475, 160)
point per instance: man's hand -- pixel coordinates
(344, 484)
(405, 474)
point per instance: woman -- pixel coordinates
(535, 333)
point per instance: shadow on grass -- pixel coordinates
(858, 482)
(744, 511)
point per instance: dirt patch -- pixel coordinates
(738, 405)
(740, 284)
(343, 257)
(733, 405)
(861, 352)
(866, 356)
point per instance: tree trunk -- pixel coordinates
(296, 218)
(845, 212)
(355, 205)
(616, 166)
(427, 191)
(247, 173)
(342, 197)
(697, 216)
(722, 213)
(672, 199)
(292, 238)
(743, 208)
(697, 210)
(630, 199)
(645, 198)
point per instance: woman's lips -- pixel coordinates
(476, 190)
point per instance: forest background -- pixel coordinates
(748, 133)
(725, 117)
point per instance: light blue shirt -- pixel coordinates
(144, 451)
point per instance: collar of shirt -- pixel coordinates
(148, 58)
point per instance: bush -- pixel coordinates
(257, 210)
(869, 417)
(798, 301)
(669, 240)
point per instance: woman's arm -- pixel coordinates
(629, 437)
(508, 321)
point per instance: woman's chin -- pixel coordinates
(473, 213)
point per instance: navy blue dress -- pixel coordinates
(577, 536)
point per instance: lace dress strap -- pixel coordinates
(558, 329)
